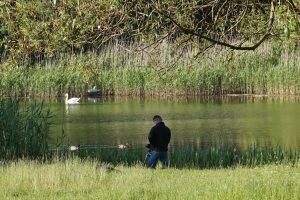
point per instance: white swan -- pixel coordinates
(72, 100)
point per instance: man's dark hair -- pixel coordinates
(157, 117)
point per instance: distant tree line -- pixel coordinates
(33, 30)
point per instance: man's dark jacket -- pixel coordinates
(159, 137)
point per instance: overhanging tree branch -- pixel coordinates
(185, 30)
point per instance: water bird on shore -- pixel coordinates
(73, 100)
(94, 89)
(93, 92)
(123, 146)
(74, 147)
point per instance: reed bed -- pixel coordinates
(24, 131)
(162, 72)
(211, 156)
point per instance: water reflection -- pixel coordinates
(92, 99)
(232, 120)
(72, 108)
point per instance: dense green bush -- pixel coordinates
(34, 30)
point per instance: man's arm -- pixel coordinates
(169, 136)
(151, 136)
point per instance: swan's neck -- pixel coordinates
(66, 98)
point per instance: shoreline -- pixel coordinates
(157, 97)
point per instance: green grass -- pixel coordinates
(79, 180)
(117, 72)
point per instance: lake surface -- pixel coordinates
(197, 121)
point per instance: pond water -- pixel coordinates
(197, 121)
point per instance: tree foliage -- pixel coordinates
(236, 24)
(37, 29)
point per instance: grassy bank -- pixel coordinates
(80, 180)
(115, 71)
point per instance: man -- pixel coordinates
(159, 138)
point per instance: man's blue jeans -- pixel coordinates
(155, 156)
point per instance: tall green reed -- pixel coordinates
(24, 131)
(116, 71)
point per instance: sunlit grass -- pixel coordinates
(80, 180)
